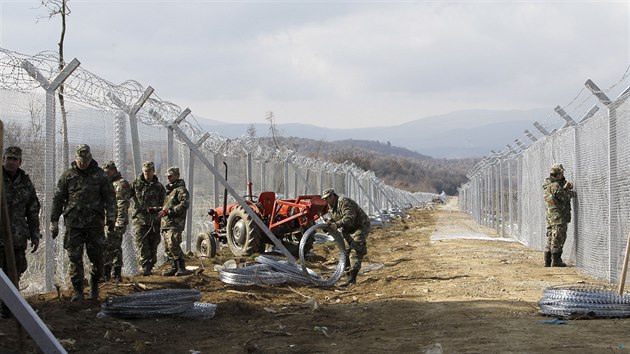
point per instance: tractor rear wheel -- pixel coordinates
(206, 245)
(243, 235)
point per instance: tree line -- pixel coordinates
(397, 166)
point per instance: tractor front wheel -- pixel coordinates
(206, 245)
(243, 235)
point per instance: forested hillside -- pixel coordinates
(399, 167)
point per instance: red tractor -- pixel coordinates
(287, 219)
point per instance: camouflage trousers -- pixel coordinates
(74, 241)
(172, 241)
(357, 242)
(112, 255)
(556, 235)
(20, 260)
(147, 239)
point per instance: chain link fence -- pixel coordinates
(505, 189)
(129, 123)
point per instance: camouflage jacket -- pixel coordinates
(558, 201)
(122, 189)
(177, 202)
(85, 197)
(23, 207)
(348, 214)
(146, 194)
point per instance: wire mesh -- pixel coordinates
(595, 156)
(130, 123)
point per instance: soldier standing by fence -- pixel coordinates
(113, 257)
(558, 194)
(86, 199)
(23, 207)
(147, 194)
(345, 213)
(173, 216)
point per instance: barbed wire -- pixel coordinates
(94, 91)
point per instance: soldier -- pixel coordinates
(558, 194)
(347, 214)
(23, 207)
(147, 194)
(113, 257)
(86, 198)
(173, 215)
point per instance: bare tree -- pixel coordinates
(60, 8)
(251, 132)
(273, 130)
(30, 137)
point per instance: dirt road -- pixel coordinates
(449, 294)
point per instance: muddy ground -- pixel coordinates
(451, 295)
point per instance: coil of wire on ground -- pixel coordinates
(585, 301)
(274, 270)
(253, 274)
(151, 303)
(341, 248)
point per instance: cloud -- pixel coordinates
(344, 63)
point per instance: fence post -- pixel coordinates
(49, 157)
(612, 154)
(133, 124)
(191, 190)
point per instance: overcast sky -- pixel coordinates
(338, 64)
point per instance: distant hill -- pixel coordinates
(462, 134)
(399, 167)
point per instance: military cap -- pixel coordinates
(83, 152)
(111, 165)
(13, 151)
(148, 166)
(327, 193)
(172, 171)
(556, 168)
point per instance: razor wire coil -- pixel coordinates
(151, 303)
(583, 302)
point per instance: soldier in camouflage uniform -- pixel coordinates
(173, 215)
(23, 207)
(113, 257)
(346, 214)
(558, 194)
(86, 199)
(147, 194)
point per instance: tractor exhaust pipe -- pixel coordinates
(249, 190)
(225, 193)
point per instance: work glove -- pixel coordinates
(54, 229)
(568, 185)
(163, 213)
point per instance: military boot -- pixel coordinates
(77, 295)
(547, 255)
(117, 274)
(556, 261)
(352, 278)
(181, 268)
(170, 272)
(147, 270)
(94, 288)
(107, 272)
